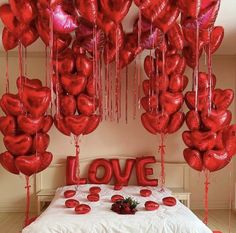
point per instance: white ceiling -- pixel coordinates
(226, 18)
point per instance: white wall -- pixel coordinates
(118, 139)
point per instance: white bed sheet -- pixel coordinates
(58, 219)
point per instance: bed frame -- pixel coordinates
(177, 179)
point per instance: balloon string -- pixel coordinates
(206, 197)
(106, 86)
(163, 66)
(7, 72)
(100, 87)
(209, 63)
(161, 151)
(20, 59)
(134, 90)
(139, 57)
(27, 187)
(77, 152)
(117, 94)
(26, 59)
(46, 66)
(230, 195)
(126, 94)
(57, 85)
(111, 96)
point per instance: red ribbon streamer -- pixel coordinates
(161, 151)
(206, 199)
(27, 187)
(7, 73)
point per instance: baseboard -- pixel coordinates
(217, 204)
(6, 208)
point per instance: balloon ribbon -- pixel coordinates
(161, 151)
(27, 187)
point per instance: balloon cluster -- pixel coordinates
(25, 128)
(210, 139)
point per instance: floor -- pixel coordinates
(218, 220)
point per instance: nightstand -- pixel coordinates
(43, 197)
(182, 195)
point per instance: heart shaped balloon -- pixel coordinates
(216, 119)
(149, 66)
(11, 104)
(176, 37)
(176, 122)
(155, 122)
(61, 42)
(88, 9)
(9, 40)
(77, 124)
(150, 103)
(33, 83)
(202, 100)
(229, 139)
(215, 160)
(7, 160)
(186, 135)
(84, 65)
(30, 125)
(93, 123)
(60, 124)
(28, 165)
(7, 125)
(74, 84)
(45, 159)
(193, 120)
(18, 145)
(40, 143)
(43, 31)
(193, 159)
(115, 10)
(47, 123)
(29, 36)
(67, 105)
(86, 105)
(91, 86)
(204, 82)
(222, 98)
(171, 102)
(178, 83)
(35, 100)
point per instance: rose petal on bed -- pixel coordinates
(145, 192)
(69, 193)
(169, 201)
(82, 209)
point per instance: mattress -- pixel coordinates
(59, 219)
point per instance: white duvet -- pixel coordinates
(58, 219)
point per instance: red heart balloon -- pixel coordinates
(30, 125)
(47, 123)
(155, 123)
(40, 143)
(203, 82)
(71, 203)
(229, 139)
(145, 192)
(202, 102)
(149, 66)
(172, 62)
(77, 124)
(168, 19)
(171, 102)
(77, 49)
(43, 31)
(222, 98)
(57, 87)
(74, 84)
(91, 86)
(60, 124)
(84, 65)
(8, 162)
(146, 87)
(88, 9)
(217, 36)
(116, 198)
(215, 160)
(150, 103)
(93, 123)
(176, 122)
(169, 201)
(64, 19)
(151, 205)
(178, 83)
(190, 55)
(33, 83)
(9, 40)
(116, 10)
(24, 10)
(193, 120)
(216, 119)
(176, 37)
(36, 100)
(65, 62)
(28, 165)
(61, 42)
(7, 125)
(18, 145)
(45, 160)
(86, 105)
(67, 105)
(69, 193)
(203, 140)
(194, 159)
(82, 209)
(11, 105)
(186, 135)
(29, 36)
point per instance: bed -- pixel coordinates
(59, 219)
